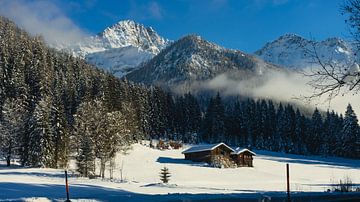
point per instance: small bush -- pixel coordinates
(345, 185)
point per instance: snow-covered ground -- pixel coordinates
(188, 180)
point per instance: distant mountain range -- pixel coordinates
(139, 53)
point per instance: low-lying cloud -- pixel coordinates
(295, 87)
(42, 18)
(282, 86)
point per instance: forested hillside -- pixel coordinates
(52, 101)
(55, 107)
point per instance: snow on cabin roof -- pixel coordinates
(239, 150)
(207, 147)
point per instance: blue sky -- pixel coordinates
(239, 24)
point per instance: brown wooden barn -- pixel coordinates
(205, 153)
(242, 157)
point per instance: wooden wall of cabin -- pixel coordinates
(204, 156)
(221, 150)
(243, 159)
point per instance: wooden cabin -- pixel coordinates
(205, 153)
(243, 157)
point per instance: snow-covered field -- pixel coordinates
(188, 180)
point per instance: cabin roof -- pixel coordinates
(239, 150)
(207, 147)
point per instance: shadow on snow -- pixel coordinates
(38, 174)
(310, 160)
(16, 191)
(169, 160)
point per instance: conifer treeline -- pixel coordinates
(54, 106)
(259, 124)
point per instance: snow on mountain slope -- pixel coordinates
(188, 180)
(294, 51)
(193, 59)
(119, 61)
(120, 47)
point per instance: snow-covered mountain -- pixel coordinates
(294, 51)
(119, 61)
(192, 58)
(120, 47)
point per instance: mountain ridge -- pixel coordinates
(296, 52)
(194, 59)
(107, 48)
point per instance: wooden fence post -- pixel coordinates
(288, 182)
(67, 187)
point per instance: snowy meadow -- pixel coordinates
(140, 168)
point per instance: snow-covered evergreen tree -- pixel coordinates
(85, 160)
(11, 127)
(41, 143)
(60, 134)
(350, 137)
(300, 134)
(314, 139)
(233, 123)
(214, 121)
(271, 129)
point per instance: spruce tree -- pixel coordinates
(85, 160)
(290, 129)
(315, 134)
(232, 124)
(279, 134)
(206, 126)
(60, 135)
(300, 133)
(271, 129)
(351, 137)
(41, 143)
(11, 127)
(165, 175)
(180, 118)
(213, 127)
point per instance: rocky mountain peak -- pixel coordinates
(129, 33)
(121, 47)
(292, 51)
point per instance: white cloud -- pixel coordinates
(44, 18)
(155, 10)
(280, 86)
(150, 10)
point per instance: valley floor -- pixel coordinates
(310, 176)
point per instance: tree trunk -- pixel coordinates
(8, 157)
(102, 168)
(56, 155)
(8, 161)
(86, 172)
(112, 168)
